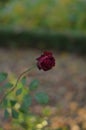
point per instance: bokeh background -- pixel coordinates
(44, 23)
(28, 27)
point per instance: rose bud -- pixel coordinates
(46, 61)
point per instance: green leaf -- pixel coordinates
(34, 85)
(18, 91)
(5, 86)
(23, 81)
(15, 114)
(13, 102)
(5, 102)
(42, 97)
(27, 100)
(23, 109)
(3, 76)
(8, 85)
(6, 114)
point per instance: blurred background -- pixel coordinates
(44, 23)
(28, 27)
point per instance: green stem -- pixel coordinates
(18, 79)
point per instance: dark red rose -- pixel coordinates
(46, 61)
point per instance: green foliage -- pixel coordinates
(46, 111)
(5, 102)
(13, 102)
(17, 104)
(34, 85)
(15, 114)
(24, 22)
(42, 97)
(18, 91)
(23, 81)
(59, 129)
(8, 85)
(48, 14)
(24, 125)
(72, 41)
(6, 114)
(3, 76)
(27, 100)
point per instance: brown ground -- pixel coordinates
(65, 83)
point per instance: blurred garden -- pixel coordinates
(46, 23)
(52, 100)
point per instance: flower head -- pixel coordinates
(46, 61)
